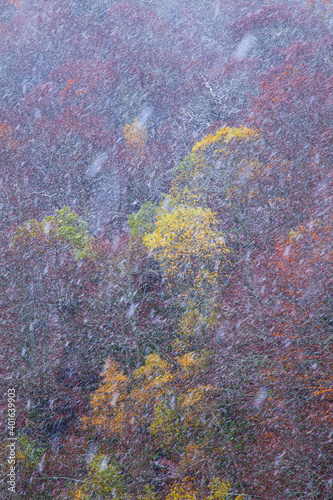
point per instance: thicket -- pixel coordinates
(166, 249)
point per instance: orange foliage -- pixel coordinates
(6, 137)
(136, 135)
(163, 405)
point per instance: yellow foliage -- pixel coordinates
(135, 134)
(182, 491)
(180, 190)
(225, 134)
(188, 362)
(109, 402)
(185, 491)
(149, 494)
(155, 372)
(115, 408)
(218, 490)
(79, 494)
(166, 426)
(188, 245)
(28, 453)
(168, 399)
(179, 412)
(197, 181)
(153, 382)
(196, 322)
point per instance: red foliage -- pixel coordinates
(294, 109)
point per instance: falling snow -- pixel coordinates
(166, 242)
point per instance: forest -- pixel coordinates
(166, 263)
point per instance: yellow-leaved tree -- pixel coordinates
(136, 135)
(213, 165)
(169, 422)
(188, 246)
(193, 256)
(219, 490)
(166, 417)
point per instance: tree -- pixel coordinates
(164, 420)
(188, 246)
